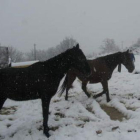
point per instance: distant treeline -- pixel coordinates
(108, 46)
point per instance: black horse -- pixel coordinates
(40, 80)
(101, 71)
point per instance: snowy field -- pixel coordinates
(80, 118)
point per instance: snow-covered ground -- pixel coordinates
(79, 118)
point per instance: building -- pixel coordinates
(4, 57)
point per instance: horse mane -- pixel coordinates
(109, 56)
(64, 85)
(54, 58)
(108, 59)
(59, 55)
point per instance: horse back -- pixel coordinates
(23, 83)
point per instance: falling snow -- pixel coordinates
(79, 118)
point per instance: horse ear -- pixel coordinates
(77, 46)
(119, 67)
(128, 51)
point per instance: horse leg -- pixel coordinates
(45, 109)
(85, 89)
(105, 90)
(69, 84)
(2, 100)
(66, 97)
(98, 95)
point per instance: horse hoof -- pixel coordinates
(94, 97)
(108, 100)
(47, 134)
(66, 99)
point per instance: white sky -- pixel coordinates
(47, 22)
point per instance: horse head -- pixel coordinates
(127, 59)
(79, 61)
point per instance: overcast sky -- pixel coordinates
(47, 22)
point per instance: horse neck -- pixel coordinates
(58, 65)
(113, 60)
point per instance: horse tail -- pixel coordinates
(63, 86)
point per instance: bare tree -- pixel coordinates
(42, 55)
(65, 44)
(15, 55)
(136, 47)
(109, 46)
(61, 47)
(29, 56)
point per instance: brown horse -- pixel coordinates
(102, 69)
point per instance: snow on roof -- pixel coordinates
(24, 63)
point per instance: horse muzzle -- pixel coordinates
(131, 70)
